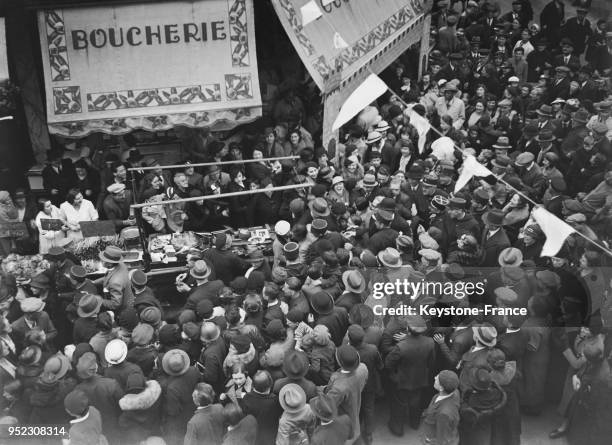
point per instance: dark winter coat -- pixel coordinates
(104, 394)
(206, 426)
(267, 411)
(140, 414)
(177, 404)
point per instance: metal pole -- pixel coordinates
(222, 195)
(208, 164)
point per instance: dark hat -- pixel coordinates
(545, 135)
(295, 364)
(323, 407)
(41, 281)
(544, 110)
(322, 303)
(291, 251)
(348, 357)
(170, 335)
(76, 403)
(175, 362)
(475, 40)
(531, 129)
(56, 253)
(415, 172)
(581, 116)
(139, 278)
(30, 355)
(191, 330)
(78, 273)
(318, 190)
(534, 231)
(241, 342)
(128, 318)
(493, 217)
(111, 254)
(456, 56)
(439, 202)
(480, 195)
(566, 41)
(484, 51)
(562, 69)
(558, 184)
(296, 206)
(135, 155)
(204, 308)
(431, 179)
(480, 378)
(448, 380)
(135, 383)
(362, 314)
(338, 208)
(89, 306)
(356, 334)
(457, 203)
(501, 161)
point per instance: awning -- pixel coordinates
(342, 41)
(118, 68)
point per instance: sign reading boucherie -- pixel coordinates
(118, 68)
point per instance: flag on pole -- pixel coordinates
(310, 12)
(339, 42)
(555, 229)
(366, 93)
(422, 126)
(471, 168)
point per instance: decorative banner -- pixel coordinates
(471, 167)
(152, 66)
(555, 229)
(350, 34)
(366, 93)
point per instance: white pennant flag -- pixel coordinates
(310, 12)
(422, 126)
(471, 168)
(366, 93)
(339, 42)
(555, 229)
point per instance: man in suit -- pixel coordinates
(588, 88)
(489, 22)
(117, 206)
(532, 180)
(578, 30)
(447, 36)
(117, 287)
(539, 60)
(545, 118)
(567, 57)
(409, 365)
(58, 176)
(495, 238)
(263, 404)
(517, 14)
(204, 288)
(207, 423)
(332, 428)
(560, 87)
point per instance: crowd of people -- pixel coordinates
(295, 348)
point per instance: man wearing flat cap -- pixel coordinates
(530, 174)
(450, 104)
(560, 86)
(116, 206)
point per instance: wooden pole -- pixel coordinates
(208, 164)
(222, 195)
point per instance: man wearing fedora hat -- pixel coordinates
(331, 428)
(177, 402)
(346, 385)
(450, 104)
(86, 423)
(220, 259)
(408, 365)
(295, 367)
(203, 289)
(532, 180)
(485, 339)
(495, 239)
(263, 404)
(85, 326)
(297, 421)
(117, 288)
(354, 285)
(34, 318)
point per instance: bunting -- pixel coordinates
(471, 168)
(366, 93)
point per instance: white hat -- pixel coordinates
(337, 180)
(115, 351)
(282, 228)
(115, 188)
(514, 79)
(558, 100)
(382, 126)
(373, 136)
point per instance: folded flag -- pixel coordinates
(555, 229)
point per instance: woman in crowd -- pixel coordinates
(77, 209)
(49, 236)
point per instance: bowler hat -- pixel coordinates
(322, 303)
(348, 357)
